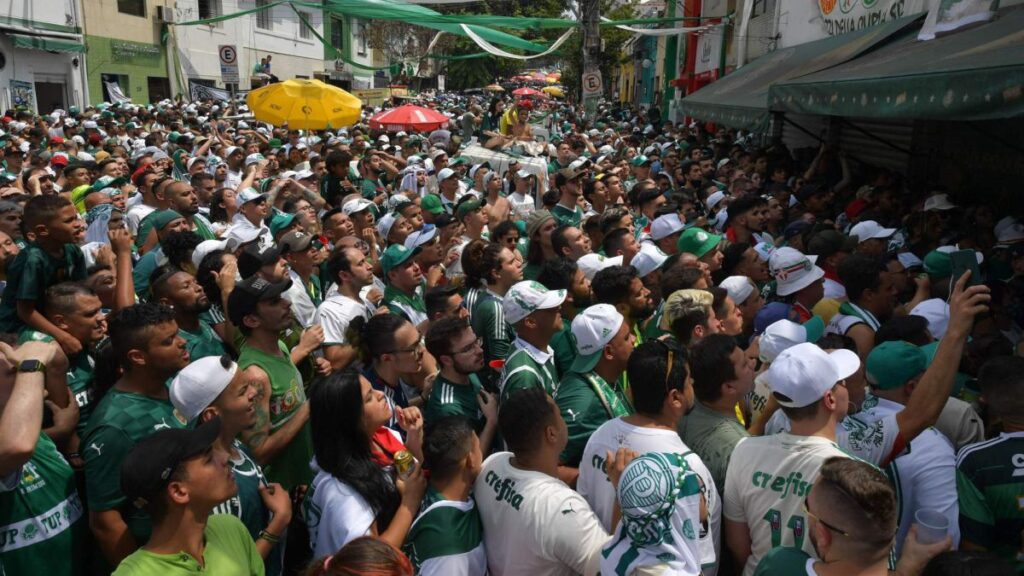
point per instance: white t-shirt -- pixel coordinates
(136, 214)
(522, 205)
(924, 476)
(534, 524)
(594, 486)
(765, 486)
(335, 313)
(302, 304)
(335, 514)
(873, 441)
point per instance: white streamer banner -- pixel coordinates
(656, 31)
(492, 49)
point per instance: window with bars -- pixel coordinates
(263, 17)
(209, 9)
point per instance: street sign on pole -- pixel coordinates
(228, 63)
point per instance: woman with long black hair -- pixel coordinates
(357, 490)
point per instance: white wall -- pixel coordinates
(38, 65)
(292, 55)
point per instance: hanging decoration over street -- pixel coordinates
(494, 50)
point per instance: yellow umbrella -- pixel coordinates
(304, 105)
(494, 88)
(555, 91)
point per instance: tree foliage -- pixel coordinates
(612, 41)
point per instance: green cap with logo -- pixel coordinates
(431, 203)
(525, 298)
(698, 242)
(894, 363)
(395, 256)
(468, 207)
(280, 222)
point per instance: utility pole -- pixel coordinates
(590, 11)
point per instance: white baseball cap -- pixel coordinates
(805, 373)
(207, 246)
(523, 173)
(445, 174)
(739, 288)
(355, 206)
(592, 263)
(938, 202)
(714, 199)
(936, 312)
(385, 223)
(666, 225)
(421, 236)
(197, 385)
(255, 158)
(593, 329)
(1011, 233)
(783, 334)
(793, 270)
(648, 259)
(249, 194)
(909, 260)
(869, 229)
(525, 298)
(243, 234)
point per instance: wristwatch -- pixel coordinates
(31, 366)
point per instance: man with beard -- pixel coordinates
(622, 287)
(181, 197)
(570, 242)
(280, 440)
(180, 291)
(592, 392)
(748, 216)
(149, 351)
(350, 270)
(693, 176)
(457, 389)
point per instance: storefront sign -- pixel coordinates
(131, 50)
(23, 95)
(842, 16)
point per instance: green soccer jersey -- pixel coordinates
(450, 399)
(204, 342)
(248, 505)
(532, 270)
(291, 466)
(30, 274)
(228, 551)
(564, 345)
(586, 401)
(566, 217)
(488, 321)
(81, 372)
(446, 537)
(990, 488)
(528, 367)
(119, 422)
(786, 561)
(412, 308)
(43, 527)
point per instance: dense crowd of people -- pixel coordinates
(531, 342)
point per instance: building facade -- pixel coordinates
(42, 56)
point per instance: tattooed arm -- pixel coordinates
(263, 444)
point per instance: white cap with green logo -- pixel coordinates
(525, 298)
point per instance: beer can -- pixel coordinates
(404, 462)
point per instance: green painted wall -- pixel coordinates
(133, 59)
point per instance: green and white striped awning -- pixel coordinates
(46, 43)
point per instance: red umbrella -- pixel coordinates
(528, 92)
(408, 117)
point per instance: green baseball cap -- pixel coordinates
(108, 182)
(698, 242)
(162, 218)
(396, 255)
(459, 160)
(938, 264)
(640, 160)
(280, 222)
(892, 364)
(468, 207)
(432, 203)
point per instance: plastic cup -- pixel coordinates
(932, 525)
